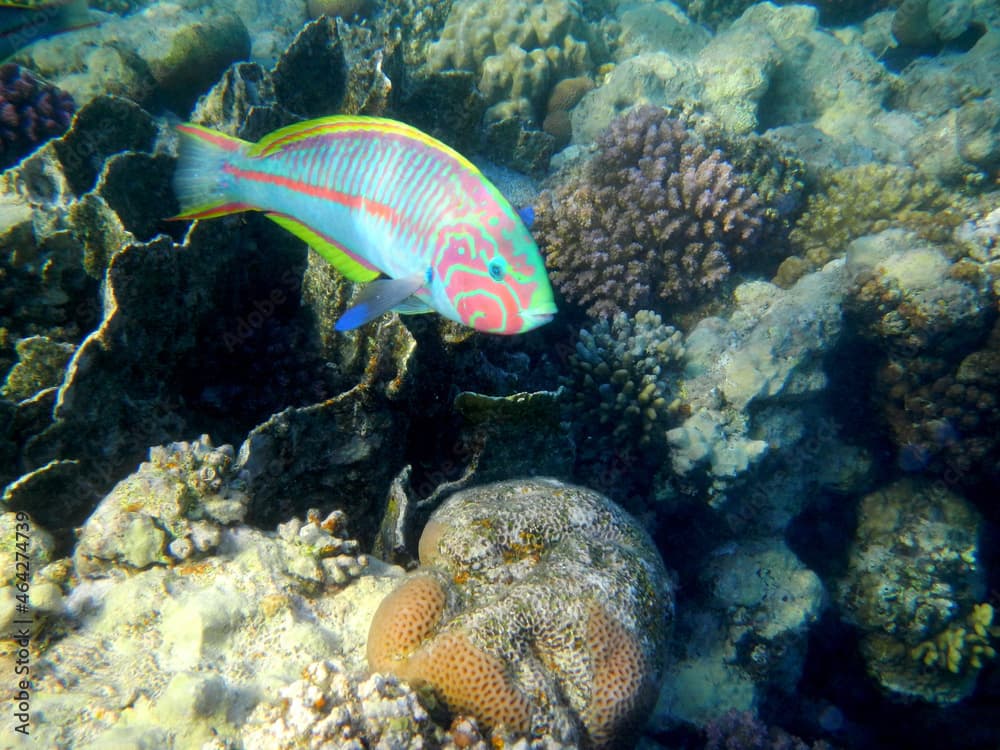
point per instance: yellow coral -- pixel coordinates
(534, 598)
(403, 639)
(469, 681)
(856, 201)
(961, 645)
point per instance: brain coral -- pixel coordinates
(538, 605)
(654, 217)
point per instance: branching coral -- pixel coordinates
(856, 201)
(654, 218)
(30, 113)
(944, 416)
(621, 393)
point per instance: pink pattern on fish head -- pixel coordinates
(490, 266)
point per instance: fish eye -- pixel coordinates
(497, 268)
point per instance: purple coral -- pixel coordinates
(30, 113)
(654, 218)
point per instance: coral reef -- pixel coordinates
(719, 13)
(537, 605)
(744, 634)
(769, 353)
(621, 397)
(915, 587)
(929, 318)
(41, 363)
(856, 201)
(343, 8)
(172, 508)
(34, 576)
(908, 297)
(942, 414)
(208, 617)
(929, 23)
(519, 50)
(743, 730)
(329, 708)
(31, 112)
(162, 55)
(175, 507)
(773, 68)
(655, 219)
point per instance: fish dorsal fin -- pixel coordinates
(349, 264)
(379, 297)
(279, 139)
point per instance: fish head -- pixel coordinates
(494, 275)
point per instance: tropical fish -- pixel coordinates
(25, 21)
(378, 197)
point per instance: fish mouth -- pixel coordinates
(537, 317)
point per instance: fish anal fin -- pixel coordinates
(412, 306)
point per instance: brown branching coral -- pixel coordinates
(655, 218)
(861, 200)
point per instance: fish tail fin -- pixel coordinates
(201, 183)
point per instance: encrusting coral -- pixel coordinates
(654, 219)
(538, 607)
(30, 113)
(914, 586)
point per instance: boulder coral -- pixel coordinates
(655, 218)
(538, 607)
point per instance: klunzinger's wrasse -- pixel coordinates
(376, 197)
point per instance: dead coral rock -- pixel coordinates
(40, 366)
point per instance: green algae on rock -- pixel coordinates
(538, 604)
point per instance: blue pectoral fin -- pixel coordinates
(380, 296)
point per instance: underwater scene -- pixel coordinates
(518, 374)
